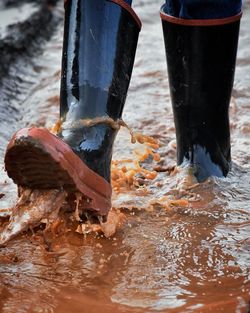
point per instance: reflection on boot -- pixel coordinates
(201, 57)
(100, 39)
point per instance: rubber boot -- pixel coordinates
(201, 57)
(100, 39)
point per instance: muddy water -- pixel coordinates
(165, 259)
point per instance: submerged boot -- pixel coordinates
(100, 39)
(201, 57)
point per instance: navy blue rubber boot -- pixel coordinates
(201, 56)
(100, 40)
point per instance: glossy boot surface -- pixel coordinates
(100, 39)
(201, 57)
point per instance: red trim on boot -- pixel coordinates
(199, 22)
(128, 8)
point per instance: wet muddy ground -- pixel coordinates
(166, 258)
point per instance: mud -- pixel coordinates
(169, 256)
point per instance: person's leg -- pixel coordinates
(201, 43)
(100, 39)
(202, 9)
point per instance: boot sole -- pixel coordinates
(37, 159)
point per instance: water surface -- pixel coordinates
(193, 259)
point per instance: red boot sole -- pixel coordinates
(37, 159)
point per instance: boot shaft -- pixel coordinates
(100, 39)
(201, 56)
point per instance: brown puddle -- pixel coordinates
(169, 256)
